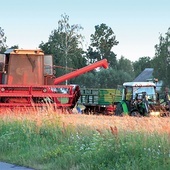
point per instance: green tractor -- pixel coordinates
(140, 99)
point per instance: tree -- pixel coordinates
(70, 40)
(86, 80)
(161, 61)
(102, 42)
(126, 66)
(109, 78)
(15, 47)
(64, 43)
(2, 41)
(141, 64)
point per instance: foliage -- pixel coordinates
(86, 80)
(2, 41)
(141, 64)
(102, 42)
(161, 61)
(51, 146)
(64, 44)
(15, 47)
(109, 78)
(126, 66)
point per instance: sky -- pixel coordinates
(137, 24)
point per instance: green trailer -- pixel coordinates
(99, 101)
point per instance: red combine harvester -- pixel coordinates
(27, 80)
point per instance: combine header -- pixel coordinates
(27, 80)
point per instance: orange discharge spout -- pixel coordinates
(102, 63)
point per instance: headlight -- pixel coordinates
(155, 113)
(44, 90)
(2, 89)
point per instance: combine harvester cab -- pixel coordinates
(140, 99)
(27, 80)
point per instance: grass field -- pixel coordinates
(49, 140)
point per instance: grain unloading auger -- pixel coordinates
(27, 80)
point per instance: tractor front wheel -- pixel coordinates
(135, 113)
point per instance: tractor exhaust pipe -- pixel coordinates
(102, 63)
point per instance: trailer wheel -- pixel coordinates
(89, 110)
(119, 110)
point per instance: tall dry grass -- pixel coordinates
(98, 122)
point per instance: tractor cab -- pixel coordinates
(139, 90)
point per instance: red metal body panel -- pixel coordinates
(33, 96)
(103, 63)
